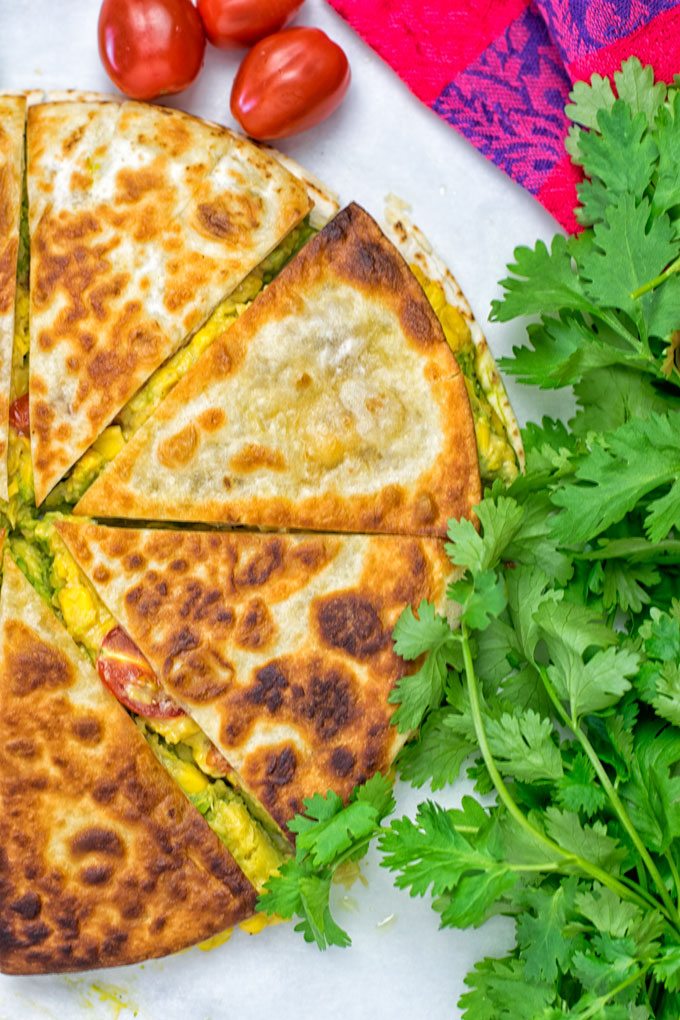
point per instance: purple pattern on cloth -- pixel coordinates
(510, 102)
(580, 27)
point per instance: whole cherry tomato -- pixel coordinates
(230, 23)
(289, 82)
(128, 675)
(19, 417)
(150, 47)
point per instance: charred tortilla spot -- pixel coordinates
(256, 627)
(328, 702)
(101, 573)
(179, 566)
(178, 450)
(352, 623)
(261, 566)
(34, 934)
(133, 562)
(96, 874)
(281, 767)
(32, 664)
(133, 184)
(88, 729)
(426, 508)
(104, 792)
(342, 761)
(21, 747)
(27, 906)
(97, 840)
(269, 687)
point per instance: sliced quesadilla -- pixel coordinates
(334, 403)
(12, 122)
(142, 220)
(103, 859)
(278, 646)
(499, 440)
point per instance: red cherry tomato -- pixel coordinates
(289, 82)
(230, 23)
(150, 47)
(128, 675)
(19, 416)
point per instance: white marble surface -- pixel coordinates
(381, 140)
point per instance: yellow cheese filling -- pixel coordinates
(497, 458)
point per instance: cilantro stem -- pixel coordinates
(674, 873)
(622, 814)
(593, 870)
(657, 281)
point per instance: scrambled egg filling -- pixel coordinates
(179, 744)
(497, 459)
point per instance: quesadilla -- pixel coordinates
(12, 120)
(142, 220)
(334, 403)
(103, 860)
(499, 440)
(278, 646)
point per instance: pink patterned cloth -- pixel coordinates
(499, 71)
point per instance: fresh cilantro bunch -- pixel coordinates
(559, 686)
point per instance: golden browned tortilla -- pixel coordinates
(334, 403)
(142, 220)
(12, 120)
(279, 646)
(103, 861)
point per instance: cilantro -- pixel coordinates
(559, 681)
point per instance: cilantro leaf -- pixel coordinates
(631, 462)
(607, 154)
(523, 746)
(590, 841)
(438, 753)
(500, 990)
(629, 249)
(543, 281)
(635, 87)
(422, 690)
(543, 941)
(588, 99)
(578, 790)
(481, 599)
(500, 521)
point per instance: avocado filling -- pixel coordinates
(497, 458)
(178, 743)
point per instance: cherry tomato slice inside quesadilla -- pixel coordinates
(19, 415)
(128, 675)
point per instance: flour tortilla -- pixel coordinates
(334, 403)
(142, 219)
(12, 124)
(103, 861)
(278, 646)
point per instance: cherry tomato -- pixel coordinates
(128, 675)
(150, 47)
(289, 82)
(230, 23)
(19, 416)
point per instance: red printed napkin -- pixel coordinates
(500, 71)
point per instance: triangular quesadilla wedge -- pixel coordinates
(12, 124)
(142, 220)
(278, 646)
(334, 403)
(103, 861)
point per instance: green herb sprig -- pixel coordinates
(560, 685)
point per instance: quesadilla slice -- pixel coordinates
(334, 403)
(12, 122)
(142, 220)
(278, 646)
(103, 861)
(499, 439)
